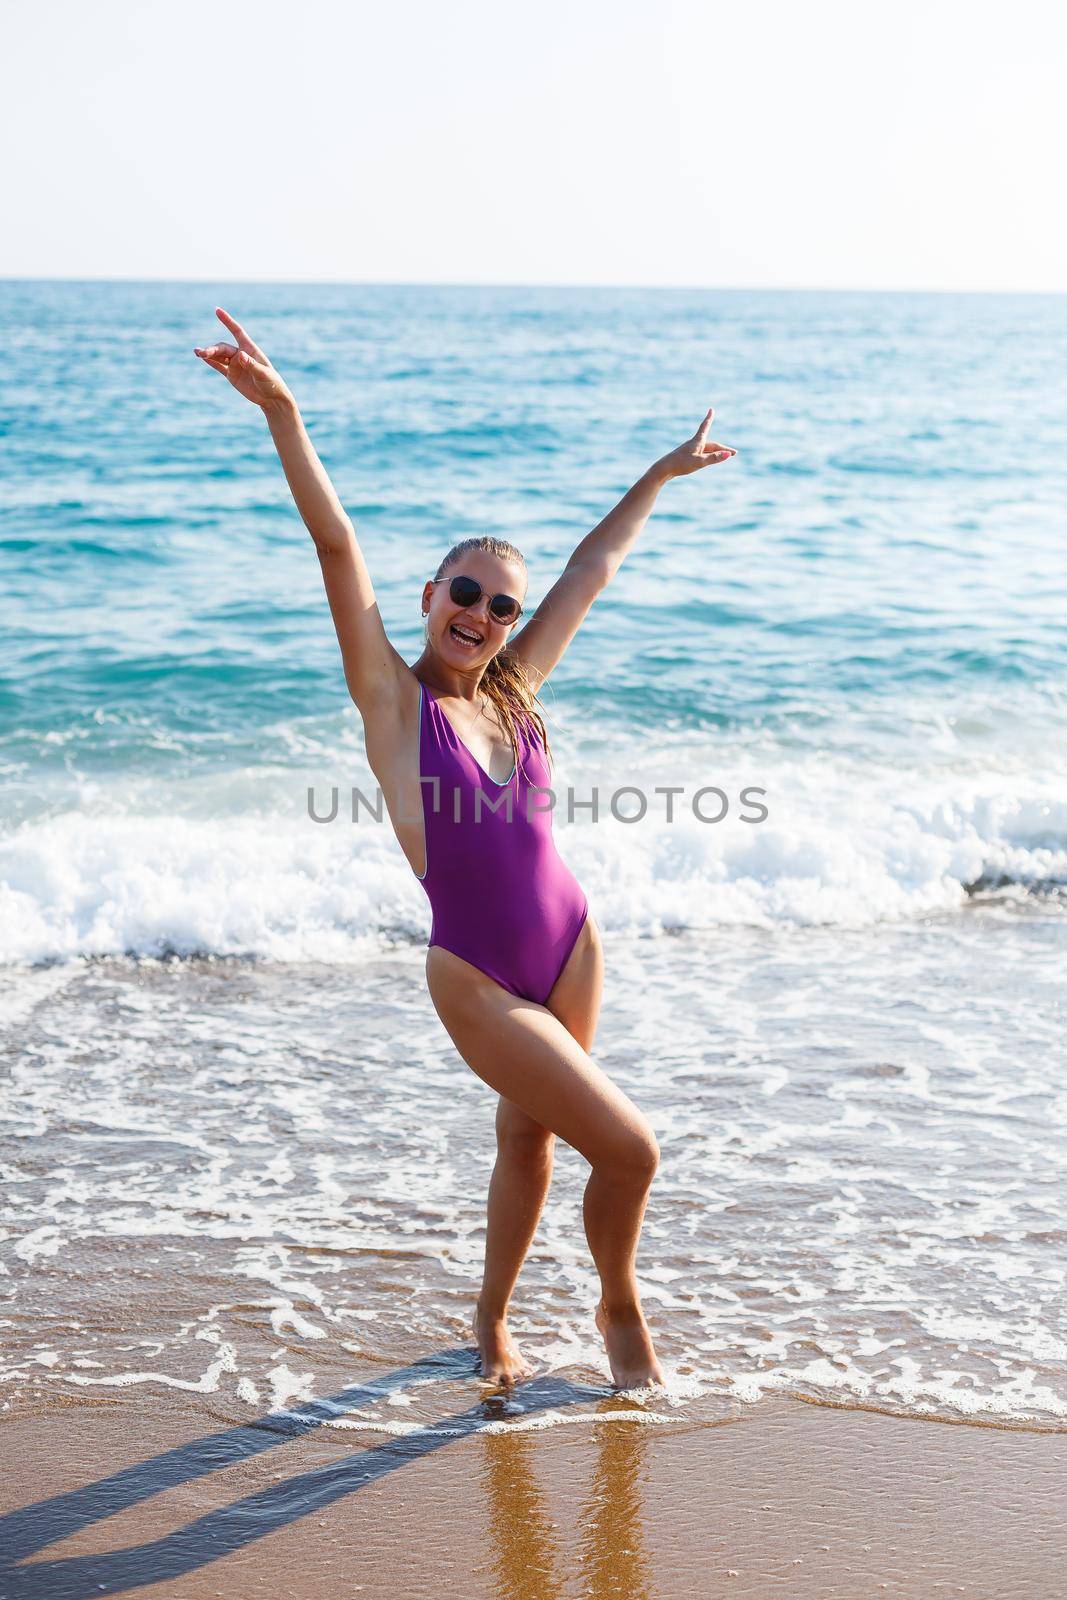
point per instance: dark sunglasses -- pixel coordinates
(468, 591)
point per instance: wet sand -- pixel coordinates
(163, 1494)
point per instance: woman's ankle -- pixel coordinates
(487, 1311)
(622, 1308)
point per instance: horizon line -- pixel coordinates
(456, 283)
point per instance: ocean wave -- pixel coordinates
(830, 852)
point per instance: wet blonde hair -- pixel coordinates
(504, 681)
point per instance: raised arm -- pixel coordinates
(373, 668)
(541, 643)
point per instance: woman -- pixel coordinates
(515, 963)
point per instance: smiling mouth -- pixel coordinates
(465, 637)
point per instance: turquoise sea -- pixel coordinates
(846, 1023)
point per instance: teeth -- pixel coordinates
(472, 638)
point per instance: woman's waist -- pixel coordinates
(505, 904)
(524, 858)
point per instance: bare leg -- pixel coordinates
(530, 1058)
(523, 1170)
(517, 1192)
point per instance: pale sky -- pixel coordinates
(834, 144)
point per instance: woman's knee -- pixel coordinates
(633, 1158)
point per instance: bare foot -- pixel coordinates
(632, 1359)
(500, 1358)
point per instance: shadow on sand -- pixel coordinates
(228, 1528)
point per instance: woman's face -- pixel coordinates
(471, 634)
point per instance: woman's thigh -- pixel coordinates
(577, 992)
(575, 1000)
(524, 1052)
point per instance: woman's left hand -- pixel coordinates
(697, 452)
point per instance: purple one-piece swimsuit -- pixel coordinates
(502, 897)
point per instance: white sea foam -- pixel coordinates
(207, 1383)
(841, 846)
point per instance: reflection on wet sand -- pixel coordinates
(611, 1521)
(527, 1545)
(525, 1556)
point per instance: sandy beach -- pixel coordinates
(165, 1497)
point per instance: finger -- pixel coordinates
(223, 352)
(239, 334)
(212, 361)
(244, 340)
(702, 431)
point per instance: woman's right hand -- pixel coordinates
(245, 365)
